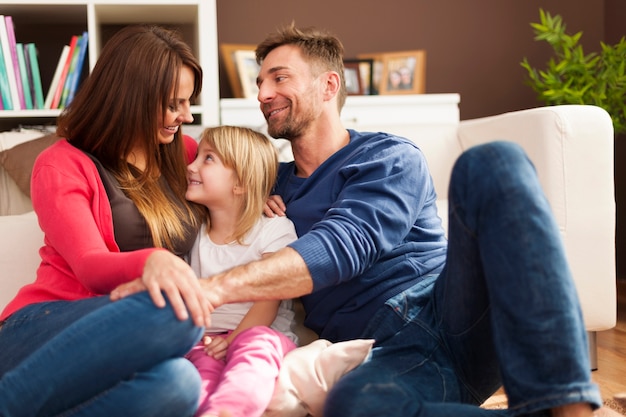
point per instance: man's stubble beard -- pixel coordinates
(288, 129)
(292, 127)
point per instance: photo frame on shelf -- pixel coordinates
(361, 68)
(247, 71)
(229, 52)
(404, 72)
(352, 76)
(375, 61)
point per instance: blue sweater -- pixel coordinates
(368, 229)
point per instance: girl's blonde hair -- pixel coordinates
(254, 159)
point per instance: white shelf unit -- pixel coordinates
(50, 25)
(417, 117)
(391, 113)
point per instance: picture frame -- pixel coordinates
(404, 72)
(375, 62)
(247, 71)
(352, 77)
(363, 68)
(228, 52)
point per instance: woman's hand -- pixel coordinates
(274, 206)
(215, 346)
(166, 273)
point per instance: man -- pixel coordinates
(452, 320)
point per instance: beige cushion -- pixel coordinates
(19, 160)
(20, 241)
(309, 372)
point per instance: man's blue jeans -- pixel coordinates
(503, 311)
(94, 357)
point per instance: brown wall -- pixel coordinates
(474, 47)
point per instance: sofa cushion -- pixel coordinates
(19, 253)
(18, 161)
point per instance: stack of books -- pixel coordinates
(20, 80)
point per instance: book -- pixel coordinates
(5, 92)
(71, 73)
(56, 100)
(29, 76)
(28, 101)
(78, 71)
(8, 65)
(56, 77)
(16, 69)
(31, 52)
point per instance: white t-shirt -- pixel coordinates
(207, 259)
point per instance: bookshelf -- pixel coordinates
(50, 24)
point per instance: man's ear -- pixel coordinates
(332, 85)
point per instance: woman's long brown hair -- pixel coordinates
(120, 107)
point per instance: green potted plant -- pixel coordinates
(573, 77)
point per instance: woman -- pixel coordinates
(110, 200)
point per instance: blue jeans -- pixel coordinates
(94, 357)
(504, 310)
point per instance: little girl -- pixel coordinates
(241, 353)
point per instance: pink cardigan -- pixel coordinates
(80, 257)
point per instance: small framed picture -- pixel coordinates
(248, 71)
(404, 72)
(352, 75)
(229, 52)
(363, 68)
(375, 62)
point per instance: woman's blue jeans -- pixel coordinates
(94, 357)
(504, 310)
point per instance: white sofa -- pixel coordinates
(572, 149)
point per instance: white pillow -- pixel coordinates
(309, 372)
(20, 240)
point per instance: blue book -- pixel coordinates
(70, 73)
(21, 62)
(31, 52)
(78, 70)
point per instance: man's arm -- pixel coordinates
(280, 276)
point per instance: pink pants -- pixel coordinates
(243, 383)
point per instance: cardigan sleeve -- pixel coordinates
(75, 215)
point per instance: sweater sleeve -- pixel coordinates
(75, 215)
(381, 200)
